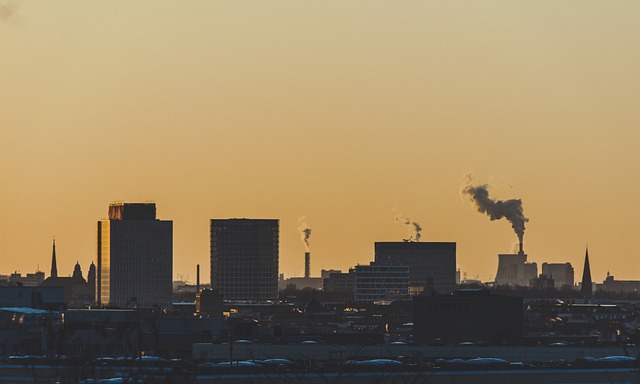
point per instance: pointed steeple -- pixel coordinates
(54, 266)
(586, 290)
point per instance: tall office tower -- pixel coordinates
(135, 257)
(244, 258)
(432, 265)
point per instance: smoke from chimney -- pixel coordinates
(305, 232)
(413, 226)
(497, 209)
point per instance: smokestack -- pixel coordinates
(521, 248)
(198, 278)
(307, 265)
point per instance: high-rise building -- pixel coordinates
(244, 258)
(432, 265)
(135, 257)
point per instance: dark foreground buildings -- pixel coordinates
(432, 265)
(135, 257)
(244, 258)
(472, 315)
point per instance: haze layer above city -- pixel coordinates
(345, 113)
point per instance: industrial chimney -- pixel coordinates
(521, 251)
(198, 278)
(307, 265)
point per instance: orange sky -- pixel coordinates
(344, 112)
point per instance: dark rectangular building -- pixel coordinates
(432, 265)
(135, 257)
(244, 258)
(472, 315)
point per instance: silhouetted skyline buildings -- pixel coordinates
(135, 262)
(432, 265)
(586, 289)
(135, 257)
(244, 258)
(54, 263)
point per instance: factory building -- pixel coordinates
(513, 269)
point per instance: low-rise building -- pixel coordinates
(339, 282)
(49, 298)
(468, 315)
(381, 282)
(610, 284)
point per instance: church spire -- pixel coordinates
(54, 266)
(586, 290)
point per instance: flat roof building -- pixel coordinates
(468, 315)
(49, 298)
(244, 258)
(432, 265)
(135, 257)
(561, 273)
(375, 282)
(610, 284)
(339, 282)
